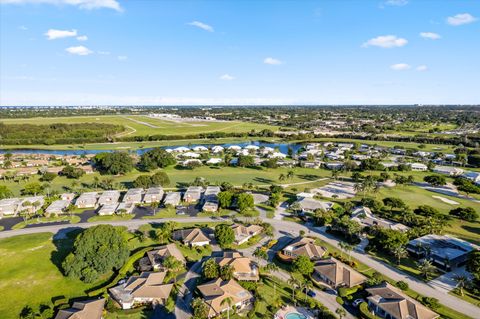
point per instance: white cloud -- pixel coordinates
(201, 25)
(400, 67)
(79, 50)
(82, 4)
(53, 34)
(461, 18)
(422, 68)
(82, 38)
(386, 41)
(103, 52)
(430, 35)
(122, 57)
(272, 61)
(397, 3)
(227, 77)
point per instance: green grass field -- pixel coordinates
(137, 125)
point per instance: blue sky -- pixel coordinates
(108, 52)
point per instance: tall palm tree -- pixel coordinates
(426, 268)
(307, 285)
(462, 282)
(227, 301)
(400, 252)
(294, 283)
(290, 174)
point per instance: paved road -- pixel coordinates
(284, 228)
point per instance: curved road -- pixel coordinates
(283, 228)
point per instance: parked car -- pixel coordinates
(331, 291)
(309, 292)
(357, 302)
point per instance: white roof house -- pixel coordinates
(191, 155)
(133, 196)
(277, 155)
(172, 198)
(267, 150)
(418, 167)
(67, 196)
(200, 148)
(448, 170)
(28, 202)
(109, 197)
(252, 147)
(9, 206)
(87, 200)
(190, 161)
(193, 194)
(128, 207)
(310, 204)
(213, 161)
(153, 194)
(364, 216)
(57, 207)
(334, 165)
(234, 147)
(217, 149)
(108, 209)
(181, 149)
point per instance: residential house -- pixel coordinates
(153, 195)
(200, 148)
(147, 288)
(243, 267)
(67, 196)
(217, 149)
(307, 204)
(32, 204)
(57, 207)
(473, 176)
(87, 200)
(210, 197)
(448, 170)
(334, 165)
(259, 198)
(9, 206)
(214, 161)
(444, 251)
(419, 167)
(157, 256)
(193, 194)
(192, 237)
(336, 274)
(125, 208)
(216, 291)
(108, 198)
(389, 302)
(91, 309)
(133, 196)
(365, 217)
(244, 233)
(108, 209)
(304, 246)
(172, 198)
(192, 161)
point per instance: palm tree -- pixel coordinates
(307, 285)
(290, 174)
(462, 282)
(340, 312)
(400, 252)
(358, 187)
(335, 174)
(348, 249)
(227, 301)
(294, 283)
(426, 268)
(271, 267)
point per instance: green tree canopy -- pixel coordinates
(224, 235)
(156, 158)
(245, 201)
(303, 265)
(113, 163)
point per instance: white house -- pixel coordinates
(153, 194)
(57, 207)
(87, 200)
(133, 196)
(200, 148)
(172, 198)
(217, 149)
(9, 206)
(419, 167)
(107, 209)
(214, 161)
(109, 197)
(448, 170)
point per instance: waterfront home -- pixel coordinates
(365, 217)
(277, 155)
(146, 289)
(172, 199)
(157, 256)
(304, 246)
(443, 251)
(216, 291)
(200, 148)
(234, 148)
(57, 207)
(193, 194)
(153, 195)
(133, 196)
(9, 206)
(107, 209)
(192, 237)
(243, 267)
(190, 155)
(88, 309)
(192, 161)
(181, 149)
(210, 203)
(217, 149)
(244, 233)
(87, 200)
(334, 165)
(108, 198)
(336, 274)
(389, 302)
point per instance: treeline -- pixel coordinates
(58, 133)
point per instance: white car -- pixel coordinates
(357, 302)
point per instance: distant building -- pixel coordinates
(444, 251)
(419, 167)
(365, 217)
(448, 170)
(92, 309)
(473, 176)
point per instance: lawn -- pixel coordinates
(194, 254)
(110, 218)
(138, 125)
(30, 275)
(71, 219)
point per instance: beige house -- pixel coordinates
(158, 255)
(214, 292)
(148, 288)
(92, 309)
(336, 274)
(153, 195)
(193, 194)
(191, 237)
(389, 302)
(304, 246)
(87, 200)
(244, 233)
(243, 267)
(133, 196)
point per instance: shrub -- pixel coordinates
(402, 285)
(364, 312)
(339, 300)
(344, 291)
(430, 302)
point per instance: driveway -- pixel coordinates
(446, 282)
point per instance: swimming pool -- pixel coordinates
(294, 315)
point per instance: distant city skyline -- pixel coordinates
(109, 52)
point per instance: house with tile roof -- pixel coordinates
(336, 274)
(91, 309)
(243, 267)
(192, 237)
(304, 246)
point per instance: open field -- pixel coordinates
(138, 125)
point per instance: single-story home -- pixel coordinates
(32, 204)
(153, 194)
(473, 176)
(389, 302)
(243, 267)
(304, 246)
(191, 237)
(216, 291)
(9, 206)
(365, 217)
(88, 309)
(108, 209)
(125, 208)
(244, 233)
(147, 288)
(158, 255)
(193, 194)
(133, 196)
(57, 207)
(448, 170)
(419, 167)
(210, 203)
(87, 200)
(172, 198)
(310, 205)
(336, 274)
(108, 198)
(67, 196)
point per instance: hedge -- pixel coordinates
(365, 313)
